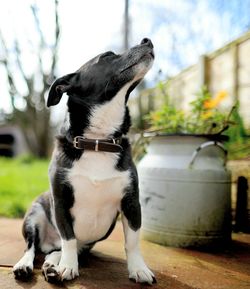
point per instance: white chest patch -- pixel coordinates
(107, 118)
(98, 190)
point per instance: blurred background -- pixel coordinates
(203, 43)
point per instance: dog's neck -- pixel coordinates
(108, 120)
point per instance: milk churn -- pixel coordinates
(185, 191)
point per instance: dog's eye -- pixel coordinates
(106, 54)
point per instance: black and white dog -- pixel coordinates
(92, 175)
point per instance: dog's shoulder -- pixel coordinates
(125, 161)
(65, 151)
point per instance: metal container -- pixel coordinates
(185, 191)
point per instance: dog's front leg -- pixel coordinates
(131, 220)
(68, 265)
(67, 269)
(59, 266)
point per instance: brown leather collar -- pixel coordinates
(104, 145)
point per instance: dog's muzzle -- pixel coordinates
(98, 145)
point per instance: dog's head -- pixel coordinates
(104, 78)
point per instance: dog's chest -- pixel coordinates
(98, 189)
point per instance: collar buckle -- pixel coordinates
(76, 142)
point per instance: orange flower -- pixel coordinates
(212, 103)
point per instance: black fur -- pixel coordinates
(63, 200)
(130, 204)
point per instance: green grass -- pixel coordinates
(21, 181)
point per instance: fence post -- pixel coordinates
(235, 51)
(203, 71)
(241, 217)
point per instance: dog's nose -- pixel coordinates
(148, 42)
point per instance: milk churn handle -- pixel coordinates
(204, 145)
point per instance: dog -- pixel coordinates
(92, 175)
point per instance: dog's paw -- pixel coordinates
(23, 272)
(50, 273)
(55, 274)
(68, 273)
(139, 272)
(142, 275)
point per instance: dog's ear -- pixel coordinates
(58, 87)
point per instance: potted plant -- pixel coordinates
(184, 183)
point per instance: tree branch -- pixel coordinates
(12, 86)
(19, 64)
(42, 42)
(57, 36)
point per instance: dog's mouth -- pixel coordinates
(149, 55)
(140, 54)
(152, 54)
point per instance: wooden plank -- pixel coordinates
(203, 71)
(235, 70)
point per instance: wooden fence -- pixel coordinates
(227, 68)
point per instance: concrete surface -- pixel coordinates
(105, 268)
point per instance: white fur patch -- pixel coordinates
(107, 118)
(52, 259)
(50, 265)
(98, 190)
(137, 268)
(26, 261)
(68, 265)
